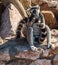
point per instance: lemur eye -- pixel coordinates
(33, 11)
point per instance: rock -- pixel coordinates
(41, 62)
(1, 8)
(28, 55)
(10, 20)
(55, 60)
(19, 62)
(1, 11)
(40, 2)
(57, 7)
(28, 62)
(45, 54)
(49, 18)
(33, 2)
(54, 52)
(4, 55)
(26, 3)
(54, 32)
(2, 63)
(52, 3)
(54, 37)
(45, 7)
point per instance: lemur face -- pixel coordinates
(35, 10)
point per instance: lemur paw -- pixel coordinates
(51, 46)
(33, 48)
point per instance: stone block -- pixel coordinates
(45, 54)
(4, 55)
(55, 60)
(50, 19)
(2, 63)
(41, 62)
(29, 54)
(10, 20)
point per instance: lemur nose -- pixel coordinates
(34, 11)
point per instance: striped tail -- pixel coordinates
(43, 34)
(20, 26)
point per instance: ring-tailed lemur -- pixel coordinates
(36, 28)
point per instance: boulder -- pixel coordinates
(2, 63)
(5, 55)
(45, 54)
(45, 7)
(19, 62)
(50, 19)
(40, 2)
(52, 4)
(1, 10)
(10, 20)
(29, 55)
(26, 3)
(41, 62)
(25, 62)
(55, 60)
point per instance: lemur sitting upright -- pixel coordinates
(35, 28)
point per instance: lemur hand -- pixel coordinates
(33, 48)
(51, 46)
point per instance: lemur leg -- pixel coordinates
(30, 39)
(49, 38)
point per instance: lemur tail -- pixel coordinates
(20, 26)
(43, 34)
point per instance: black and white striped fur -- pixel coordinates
(35, 17)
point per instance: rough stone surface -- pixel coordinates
(54, 10)
(25, 3)
(10, 19)
(41, 62)
(54, 32)
(52, 4)
(49, 18)
(19, 62)
(28, 55)
(2, 63)
(55, 60)
(45, 54)
(1, 11)
(4, 55)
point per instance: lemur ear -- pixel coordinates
(28, 11)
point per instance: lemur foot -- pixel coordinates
(51, 46)
(33, 48)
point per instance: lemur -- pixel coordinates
(35, 21)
